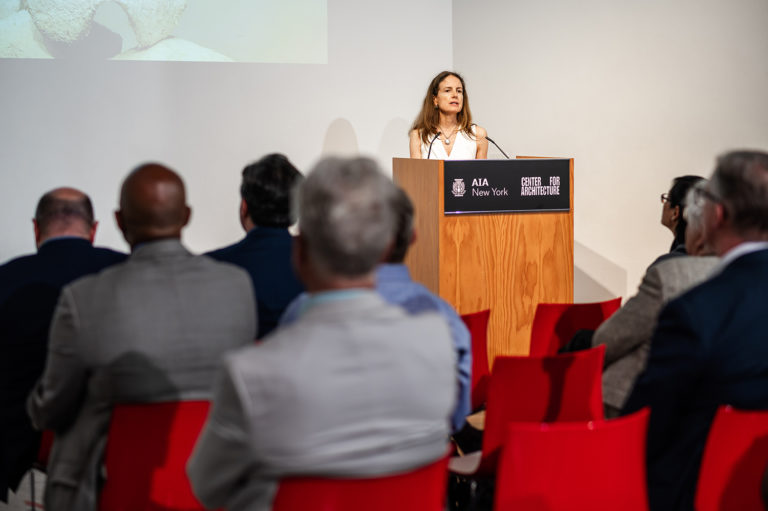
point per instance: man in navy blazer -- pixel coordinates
(265, 252)
(29, 289)
(710, 347)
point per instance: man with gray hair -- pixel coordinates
(710, 347)
(627, 334)
(354, 387)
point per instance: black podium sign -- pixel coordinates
(505, 186)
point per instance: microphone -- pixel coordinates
(489, 139)
(433, 141)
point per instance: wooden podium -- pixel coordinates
(506, 262)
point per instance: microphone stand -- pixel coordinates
(430, 144)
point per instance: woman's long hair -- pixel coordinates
(429, 118)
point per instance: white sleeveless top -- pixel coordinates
(464, 148)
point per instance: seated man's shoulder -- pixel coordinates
(678, 274)
(685, 263)
(16, 268)
(418, 298)
(226, 253)
(109, 255)
(206, 262)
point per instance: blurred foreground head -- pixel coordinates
(152, 205)
(266, 191)
(736, 200)
(64, 212)
(346, 223)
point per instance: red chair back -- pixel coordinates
(148, 446)
(541, 389)
(477, 324)
(555, 323)
(734, 460)
(597, 465)
(423, 489)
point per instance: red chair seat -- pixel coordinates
(422, 489)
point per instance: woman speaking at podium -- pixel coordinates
(443, 129)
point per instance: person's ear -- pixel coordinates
(243, 210)
(92, 231)
(721, 214)
(299, 257)
(413, 237)
(120, 220)
(675, 214)
(38, 235)
(387, 252)
(187, 216)
(245, 216)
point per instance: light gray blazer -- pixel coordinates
(151, 329)
(354, 387)
(627, 333)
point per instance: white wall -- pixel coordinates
(637, 92)
(86, 124)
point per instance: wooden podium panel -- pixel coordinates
(507, 262)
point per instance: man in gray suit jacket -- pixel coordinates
(355, 387)
(151, 329)
(627, 333)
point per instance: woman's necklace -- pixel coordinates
(447, 138)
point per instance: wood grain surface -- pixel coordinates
(508, 262)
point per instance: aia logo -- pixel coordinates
(458, 189)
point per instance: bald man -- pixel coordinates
(151, 329)
(64, 229)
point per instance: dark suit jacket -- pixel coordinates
(29, 288)
(265, 253)
(710, 348)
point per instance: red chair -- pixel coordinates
(555, 323)
(148, 446)
(535, 389)
(422, 489)
(477, 324)
(597, 465)
(735, 457)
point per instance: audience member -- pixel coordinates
(355, 387)
(29, 288)
(710, 345)
(265, 252)
(627, 333)
(394, 284)
(151, 329)
(672, 213)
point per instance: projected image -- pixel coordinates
(292, 31)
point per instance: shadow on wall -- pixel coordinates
(595, 278)
(340, 139)
(393, 143)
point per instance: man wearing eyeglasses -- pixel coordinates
(710, 347)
